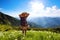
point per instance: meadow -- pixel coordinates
(31, 35)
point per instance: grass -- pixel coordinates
(31, 35)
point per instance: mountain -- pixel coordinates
(6, 19)
(40, 22)
(34, 25)
(47, 22)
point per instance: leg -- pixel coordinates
(22, 31)
(25, 32)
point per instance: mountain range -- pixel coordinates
(7, 19)
(47, 22)
(39, 22)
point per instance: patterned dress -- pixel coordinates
(23, 21)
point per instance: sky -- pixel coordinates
(36, 8)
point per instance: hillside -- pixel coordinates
(6, 19)
(31, 35)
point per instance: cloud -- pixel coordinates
(38, 9)
(13, 13)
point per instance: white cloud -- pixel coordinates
(38, 9)
(13, 13)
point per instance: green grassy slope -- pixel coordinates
(31, 35)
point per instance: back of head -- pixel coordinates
(24, 14)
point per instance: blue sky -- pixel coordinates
(13, 4)
(36, 8)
